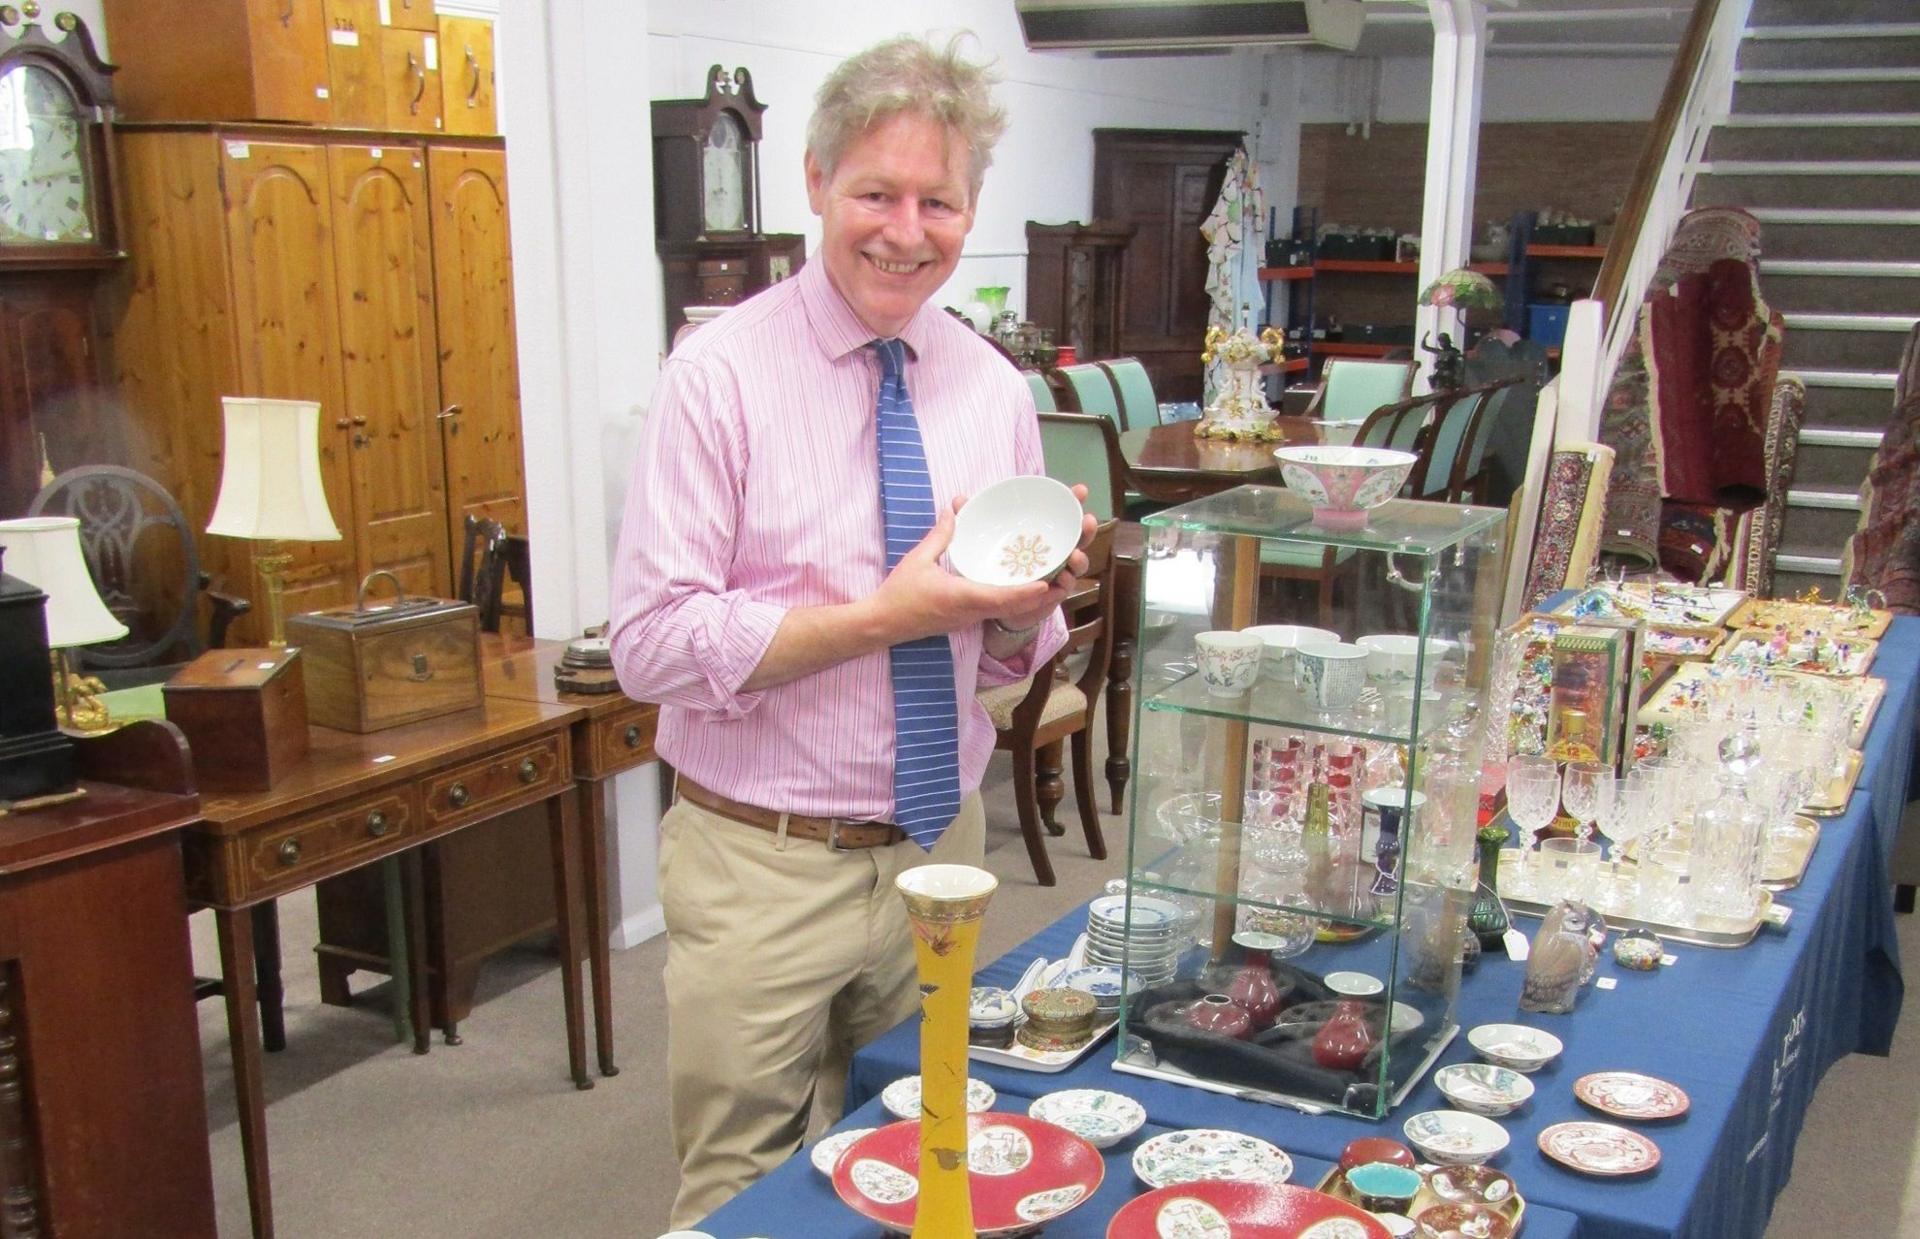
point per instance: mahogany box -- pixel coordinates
(244, 712)
(375, 666)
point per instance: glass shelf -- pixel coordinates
(1150, 883)
(1403, 526)
(1277, 704)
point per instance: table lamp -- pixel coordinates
(1462, 290)
(44, 551)
(270, 489)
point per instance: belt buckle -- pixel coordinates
(833, 834)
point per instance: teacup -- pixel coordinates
(1391, 657)
(1281, 641)
(1333, 672)
(1229, 661)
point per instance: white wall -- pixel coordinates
(1517, 88)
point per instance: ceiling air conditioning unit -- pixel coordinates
(1172, 25)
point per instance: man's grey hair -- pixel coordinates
(908, 75)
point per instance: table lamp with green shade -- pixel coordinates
(271, 490)
(44, 551)
(1463, 290)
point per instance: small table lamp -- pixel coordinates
(44, 551)
(1463, 290)
(270, 489)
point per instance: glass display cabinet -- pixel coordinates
(1301, 854)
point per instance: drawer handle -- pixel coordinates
(633, 736)
(289, 851)
(377, 824)
(457, 795)
(422, 669)
(528, 770)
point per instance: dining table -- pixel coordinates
(1171, 464)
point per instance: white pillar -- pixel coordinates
(587, 304)
(1453, 148)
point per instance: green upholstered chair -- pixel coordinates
(1471, 479)
(1043, 400)
(1138, 405)
(1080, 447)
(1352, 388)
(1089, 390)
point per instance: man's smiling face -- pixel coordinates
(894, 213)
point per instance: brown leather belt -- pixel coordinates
(839, 833)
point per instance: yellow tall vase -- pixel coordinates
(945, 904)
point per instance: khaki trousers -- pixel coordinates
(783, 957)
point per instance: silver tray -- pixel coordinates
(1028, 1059)
(1785, 866)
(1705, 931)
(1834, 802)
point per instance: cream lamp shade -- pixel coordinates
(44, 551)
(270, 473)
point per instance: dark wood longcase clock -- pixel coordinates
(706, 199)
(59, 231)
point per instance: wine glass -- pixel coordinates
(1533, 796)
(1580, 789)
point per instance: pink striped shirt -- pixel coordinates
(757, 490)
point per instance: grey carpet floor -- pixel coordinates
(487, 1139)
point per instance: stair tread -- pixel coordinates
(1864, 73)
(1809, 167)
(1820, 120)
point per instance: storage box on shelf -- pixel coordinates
(1301, 854)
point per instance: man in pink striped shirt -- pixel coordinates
(753, 601)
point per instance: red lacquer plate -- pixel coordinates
(1024, 1173)
(1242, 1211)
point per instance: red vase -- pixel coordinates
(1216, 1013)
(1253, 990)
(1343, 1041)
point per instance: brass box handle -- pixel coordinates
(289, 851)
(377, 824)
(529, 771)
(633, 735)
(457, 795)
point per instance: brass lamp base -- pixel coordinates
(80, 708)
(273, 560)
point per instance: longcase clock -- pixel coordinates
(706, 198)
(58, 230)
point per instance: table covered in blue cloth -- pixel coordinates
(798, 1202)
(1748, 1032)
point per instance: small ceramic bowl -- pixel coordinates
(1483, 1088)
(1364, 1149)
(1398, 1227)
(1229, 661)
(1471, 1185)
(1333, 672)
(1101, 1118)
(1281, 640)
(1384, 1187)
(1463, 1222)
(1354, 984)
(1342, 483)
(825, 1155)
(1015, 531)
(1391, 657)
(1515, 1045)
(989, 1006)
(902, 1097)
(1454, 1138)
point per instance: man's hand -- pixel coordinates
(1061, 585)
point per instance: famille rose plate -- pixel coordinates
(1023, 1173)
(1630, 1095)
(825, 1154)
(1599, 1149)
(1241, 1211)
(1209, 1153)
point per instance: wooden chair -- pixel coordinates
(1134, 386)
(1351, 388)
(1089, 390)
(1050, 706)
(1085, 449)
(140, 551)
(489, 557)
(1450, 470)
(1043, 400)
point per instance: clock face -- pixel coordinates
(45, 197)
(724, 162)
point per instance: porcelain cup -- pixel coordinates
(1229, 661)
(1334, 672)
(1282, 640)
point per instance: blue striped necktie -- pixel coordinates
(926, 723)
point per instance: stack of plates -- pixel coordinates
(1141, 939)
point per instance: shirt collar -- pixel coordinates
(837, 329)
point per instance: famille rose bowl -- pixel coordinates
(1343, 482)
(1015, 531)
(1244, 1211)
(1022, 1173)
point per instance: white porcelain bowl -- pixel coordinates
(1281, 640)
(902, 1097)
(1483, 1088)
(1515, 1045)
(1101, 1118)
(1455, 1138)
(1391, 657)
(1333, 672)
(1229, 661)
(1015, 531)
(1341, 483)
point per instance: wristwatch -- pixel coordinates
(1023, 634)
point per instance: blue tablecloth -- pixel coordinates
(1748, 1032)
(798, 1202)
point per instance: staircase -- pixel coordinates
(1823, 146)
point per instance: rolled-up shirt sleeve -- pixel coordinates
(1028, 459)
(682, 633)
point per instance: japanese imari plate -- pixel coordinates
(1242, 1211)
(1630, 1095)
(1022, 1173)
(1209, 1153)
(1599, 1149)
